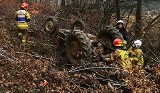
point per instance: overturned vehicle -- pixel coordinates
(78, 45)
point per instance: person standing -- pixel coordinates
(23, 19)
(122, 30)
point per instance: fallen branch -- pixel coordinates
(35, 56)
(9, 59)
(82, 69)
(111, 87)
(4, 52)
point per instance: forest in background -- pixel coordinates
(23, 71)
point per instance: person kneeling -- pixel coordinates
(119, 55)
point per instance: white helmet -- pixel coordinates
(120, 21)
(137, 43)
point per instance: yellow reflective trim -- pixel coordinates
(22, 26)
(27, 15)
(23, 41)
(19, 34)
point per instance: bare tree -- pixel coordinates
(118, 10)
(63, 2)
(138, 18)
(108, 10)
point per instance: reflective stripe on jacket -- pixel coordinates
(136, 56)
(122, 58)
(22, 17)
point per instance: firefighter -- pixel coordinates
(136, 55)
(125, 44)
(23, 19)
(119, 55)
(122, 30)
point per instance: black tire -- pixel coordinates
(79, 24)
(78, 47)
(107, 36)
(50, 25)
(110, 33)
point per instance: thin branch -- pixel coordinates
(82, 69)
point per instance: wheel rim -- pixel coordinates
(75, 50)
(49, 25)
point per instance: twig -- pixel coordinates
(151, 45)
(6, 57)
(111, 87)
(76, 70)
(3, 51)
(150, 57)
(152, 53)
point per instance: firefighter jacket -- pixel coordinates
(121, 57)
(22, 18)
(136, 57)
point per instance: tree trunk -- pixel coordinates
(138, 18)
(108, 10)
(63, 2)
(118, 10)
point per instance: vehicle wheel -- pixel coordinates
(107, 36)
(50, 25)
(110, 33)
(78, 47)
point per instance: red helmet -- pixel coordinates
(118, 42)
(24, 5)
